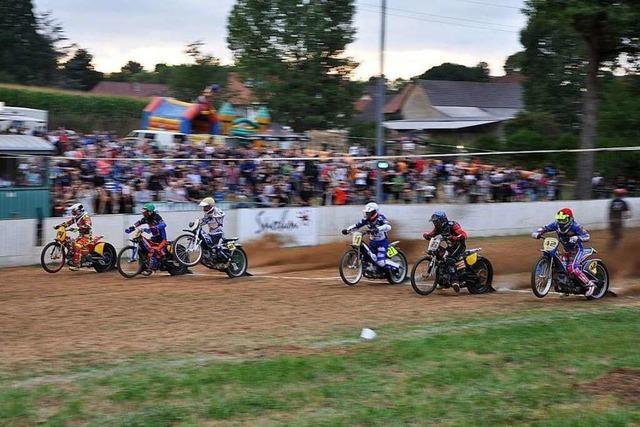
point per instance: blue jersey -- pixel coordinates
(381, 223)
(575, 230)
(156, 225)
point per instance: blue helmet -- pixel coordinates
(439, 219)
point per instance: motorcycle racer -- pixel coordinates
(572, 236)
(379, 226)
(156, 227)
(456, 236)
(214, 220)
(82, 219)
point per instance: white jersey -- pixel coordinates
(214, 221)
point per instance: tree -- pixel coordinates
(28, 53)
(603, 31)
(457, 72)
(79, 73)
(294, 50)
(514, 63)
(131, 68)
(186, 81)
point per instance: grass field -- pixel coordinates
(525, 369)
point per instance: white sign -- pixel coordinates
(293, 226)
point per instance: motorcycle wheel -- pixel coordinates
(53, 257)
(398, 276)
(421, 284)
(540, 283)
(602, 278)
(237, 264)
(129, 265)
(107, 261)
(484, 271)
(350, 267)
(184, 251)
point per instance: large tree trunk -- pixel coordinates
(589, 125)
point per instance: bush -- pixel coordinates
(77, 110)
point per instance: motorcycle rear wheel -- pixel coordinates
(602, 278)
(540, 283)
(484, 271)
(107, 260)
(398, 276)
(238, 263)
(350, 267)
(422, 284)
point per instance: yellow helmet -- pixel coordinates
(208, 203)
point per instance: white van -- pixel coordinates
(160, 138)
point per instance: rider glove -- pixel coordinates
(129, 230)
(345, 231)
(574, 239)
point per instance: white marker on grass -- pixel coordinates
(368, 334)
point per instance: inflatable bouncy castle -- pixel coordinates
(177, 116)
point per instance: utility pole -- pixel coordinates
(380, 103)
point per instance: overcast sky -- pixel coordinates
(153, 31)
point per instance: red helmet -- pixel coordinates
(564, 218)
(620, 192)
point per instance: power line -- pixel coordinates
(443, 22)
(490, 4)
(443, 16)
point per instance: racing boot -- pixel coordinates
(590, 288)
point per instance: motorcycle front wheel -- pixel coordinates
(540, 280)
(421, 283)
(53, 257)
(129, 262)
(187, 252)
(350, 267)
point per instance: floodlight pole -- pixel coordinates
(380, 103)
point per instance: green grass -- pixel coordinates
(521, 373)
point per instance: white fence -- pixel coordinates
(310, 226)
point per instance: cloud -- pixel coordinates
(153, 31)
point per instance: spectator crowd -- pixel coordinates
(242, 177)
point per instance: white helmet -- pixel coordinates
(77, 210)
(208, 203)
(370, 211)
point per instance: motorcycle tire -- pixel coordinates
(346, 257)
(107, 261)
(482, 264)
(401, 276)
(53, 246)
(540, 291)
(238, 264)
(121, 263)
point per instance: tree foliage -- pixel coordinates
(570, 45)
(294, 50)
(457, 72)
(79, 73)
(28, 51)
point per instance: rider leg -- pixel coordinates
(379, 249)
(455, 261)
(574, 268)
(79, 249)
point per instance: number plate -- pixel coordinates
(231, 246)
(356, 240)
(593, 267)
(60, 235)
(550, 244)
(434, 243)
(391, 252)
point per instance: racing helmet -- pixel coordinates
(439, 219)
(564, 218)
(370, 211)
(208, 204)
(148, 209)
(77, 210)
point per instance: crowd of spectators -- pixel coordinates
(243, 177)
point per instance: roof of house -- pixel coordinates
(435, 124)
(473, 94)
(143, 90)
(25, 144)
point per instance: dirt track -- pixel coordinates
(291, 302)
